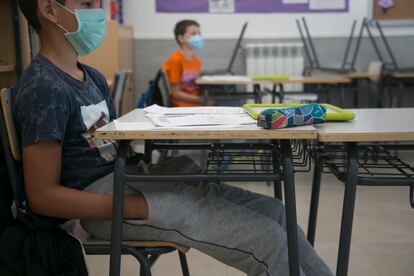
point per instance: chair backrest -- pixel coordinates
(306, 47)
(7, 117)
(236, 48)
(11, 145)
(348, 49)
(161, 89)
(311, 44)
(118, 90)
(375, 70)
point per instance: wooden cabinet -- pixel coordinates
(13, 58)
(116, 53)
(7, 45)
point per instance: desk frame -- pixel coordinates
(121, 177)
(351, 179)
(326, 81)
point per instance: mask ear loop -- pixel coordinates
(63, 28)
(62, 6)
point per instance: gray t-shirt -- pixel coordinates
(49, 104)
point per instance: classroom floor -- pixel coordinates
(382, 241)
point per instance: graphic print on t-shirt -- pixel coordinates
(95, 116)
(188, 81)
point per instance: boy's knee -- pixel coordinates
(275, 209)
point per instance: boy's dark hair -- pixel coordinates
(29, 9)
(181, 27)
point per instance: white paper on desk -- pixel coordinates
(225, 78)
(130, 126)
(200, 120)
(327, 4)
(137, 126)
(160, 110)
(201, 127)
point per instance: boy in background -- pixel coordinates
(183, 67)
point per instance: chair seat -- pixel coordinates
(138, 244)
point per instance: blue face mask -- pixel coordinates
(196, 41)
(91, 30)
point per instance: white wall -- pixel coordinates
(151, 25)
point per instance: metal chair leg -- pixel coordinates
(184, 265)
(145, 266)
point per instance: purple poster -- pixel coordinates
(240, 6)
(182, 6)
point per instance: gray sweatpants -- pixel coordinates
(237, 227)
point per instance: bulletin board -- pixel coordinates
(401, 10)
(251, 6)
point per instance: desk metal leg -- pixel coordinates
(355, 85)
(148, 151)
(400, 94)
(328, 93)
(290, 205)
(381, 95)
(342, 95)
(348, 210)
(206, 95)
(281, 93)
(277, 185)
(274, 93)
(257, 94)
(313, 211)
(117, 209)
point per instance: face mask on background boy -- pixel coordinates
(196, 41)
(91, 30)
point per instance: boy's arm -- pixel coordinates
(179, 95)
(42, 168)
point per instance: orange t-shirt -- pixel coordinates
(184, 72)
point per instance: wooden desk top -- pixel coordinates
(292, 80)
(371, 125)
(314, 80)
(357, 75)
(223, 81)
(111, 131)
(348, 75)
(403, 75)
(366, 75)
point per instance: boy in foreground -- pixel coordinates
(58, 103)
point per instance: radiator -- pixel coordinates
(275, 59)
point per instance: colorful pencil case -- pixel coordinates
(308, 114)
